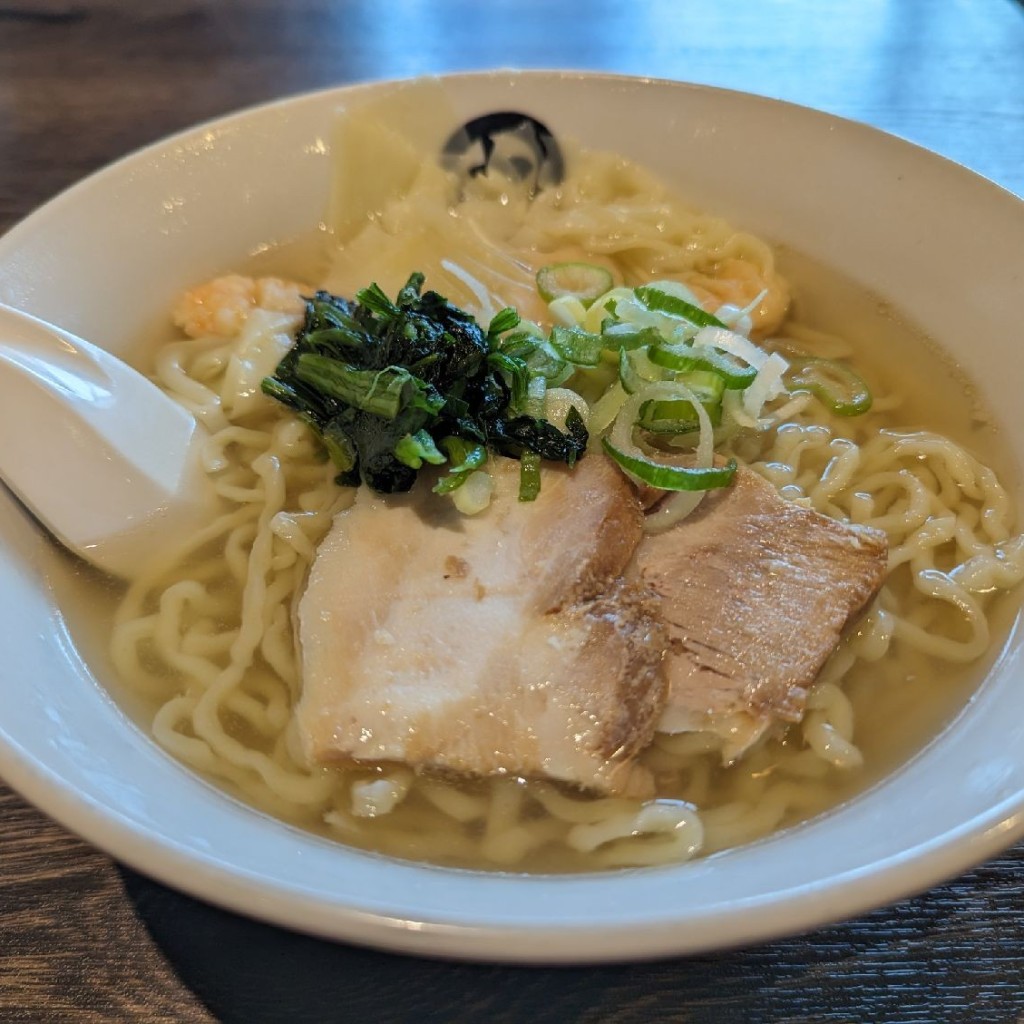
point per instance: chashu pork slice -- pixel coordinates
(498, 643)
(755, 592)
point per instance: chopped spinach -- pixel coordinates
(387, 385)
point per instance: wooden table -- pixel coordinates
(85, 81)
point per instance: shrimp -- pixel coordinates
(739, 282)
(220, 307)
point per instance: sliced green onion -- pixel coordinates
(832, 383)
(606, 408)
(475, 495)
(534, 404)
(558, 402)
(414, 449)
(669, 417)
(732, 342)
(577, 346)
(631, 459)
(706, 385)
(680, 416)
(670, 478)
(636, 370)
(537, 353)
(630, 336)
(633, 315)
(660, 301)
(734, 374)
(604, 307)
(582, 281)
(767, 385)
(529, 476)
(567, 311)
(466, 457)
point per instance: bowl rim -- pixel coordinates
(898, 877)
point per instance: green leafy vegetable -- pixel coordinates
(391, 385)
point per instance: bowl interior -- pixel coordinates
(106, 260)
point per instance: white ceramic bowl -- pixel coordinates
(105, 260)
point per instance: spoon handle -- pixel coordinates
(97, 452)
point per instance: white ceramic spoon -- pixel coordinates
(98, 453)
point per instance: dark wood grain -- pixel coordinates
(70, 949)
(91, 81)
(82, 82)
(904, 963)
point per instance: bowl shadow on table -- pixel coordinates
(915, 961)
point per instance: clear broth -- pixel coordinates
(900, 704)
